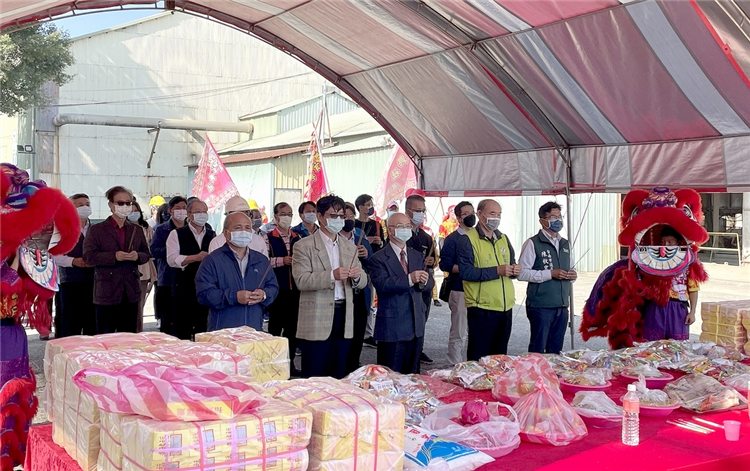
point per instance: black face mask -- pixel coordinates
(348, 225)
(470, 220)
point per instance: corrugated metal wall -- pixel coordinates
(352, 173)
(307, 113)
(265, 126)
(290, 171)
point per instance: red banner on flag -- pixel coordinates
(317, 182)
(212, 182)
(399, 175)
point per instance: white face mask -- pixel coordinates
(134, 216)
(200, 218)
(241, 238)
(334, 225)
(285, 222)
(122, 211)
(310, 218)
(391, 212)
(180, 214)
(493, 224)
(417, 218)
(84, 212)
(402, 234)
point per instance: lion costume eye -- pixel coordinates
(688, 212)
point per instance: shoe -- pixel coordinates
(158, 323)
(425, 359)
(370, 342)
(297, 352)
(44, 337)
(437, 303)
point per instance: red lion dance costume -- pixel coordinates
(615, 306)
(30, 215)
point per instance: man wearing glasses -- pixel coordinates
(326, 270)
(115, 248)
(545, 262)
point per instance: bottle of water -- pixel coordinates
(630, 409)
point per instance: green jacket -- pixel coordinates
(478, 259)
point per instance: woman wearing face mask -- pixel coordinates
(116, 248)
(147, 270)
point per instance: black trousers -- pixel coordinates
(402, 357)
(189, 317)
(75, 310)
(163, 307)
(121, 317)
(489, 332)
(282, 318)
(327, 357)
(361, 311)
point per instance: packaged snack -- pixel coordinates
(700, 393)
(426, 451)
(595, 404)
(522, 378)
(651, 397)
(545, 417)
(588, 377)
(739, 382)
(647, 371)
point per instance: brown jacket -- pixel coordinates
(113, 278)
(311, 269)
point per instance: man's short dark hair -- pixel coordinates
(110, 194)
(176, 200)
(413, 198)
(278, 207)
(547, 208)
(302, 206)
(362, 200)
(79, 195)
(350, 207)
(330, 201)
(459, 207)
(669, 231)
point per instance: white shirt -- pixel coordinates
(332, 247)
(174, 259)
(63, 260)
(151, 223)
(257, 243)
(242, 262)
(528, 257)
(397, 250)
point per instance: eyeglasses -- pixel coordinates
(404, 226)
(285, 214)
(553, 218)
(334, 216)
(123, 203)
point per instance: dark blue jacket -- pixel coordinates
(401, 308)
(449, 257)
(165, 273)
(302, 231)
(218, 281)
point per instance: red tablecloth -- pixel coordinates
(663, 446)
(43, 455)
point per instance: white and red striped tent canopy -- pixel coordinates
(494, 96)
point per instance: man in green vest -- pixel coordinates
(487, 262)
(545, 259)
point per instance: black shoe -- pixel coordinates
(425, 359)
(437, 303)
(370, 342)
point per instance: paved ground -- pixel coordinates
(726, 283)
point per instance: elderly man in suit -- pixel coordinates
(326, 270)
(115, 248)
(400, 279)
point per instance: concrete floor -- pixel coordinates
(726, 283)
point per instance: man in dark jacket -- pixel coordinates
(186, 249)
(76, 313)
(115, 248)
(163, 304)
(234, 282)
(400, 280)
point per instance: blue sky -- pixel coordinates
(90, 23)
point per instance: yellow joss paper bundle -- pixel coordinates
(211, 356)
(273, 437)
(722, 322)
(270, 354)
(349, 424)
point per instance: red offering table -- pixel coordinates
(43, 455)
(663, 446)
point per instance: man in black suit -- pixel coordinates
(400, 280)
(115, 248)
(423, 243)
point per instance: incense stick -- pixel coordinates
(356, 248)
(701, 427)
(268, 268)
(579, 259)
(687, 427)
(708, 422)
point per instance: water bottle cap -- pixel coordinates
(631, 387)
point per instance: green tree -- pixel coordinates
(29, 58)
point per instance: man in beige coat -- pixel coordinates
(326, 270)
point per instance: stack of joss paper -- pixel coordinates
(723, 322)
(160, 417)
(270, 354)
(352, 429)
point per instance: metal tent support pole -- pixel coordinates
(569, 212)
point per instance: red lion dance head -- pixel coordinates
(614, 307)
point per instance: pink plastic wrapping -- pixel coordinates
(545, 417)
(520, 380)
(497, 432)
(169, 393)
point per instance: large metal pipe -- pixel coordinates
(150, 123)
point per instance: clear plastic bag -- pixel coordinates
(518, 382)
(588, 377)
(545, 417)
(498, 432)
(595, 404)
(651, 397)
